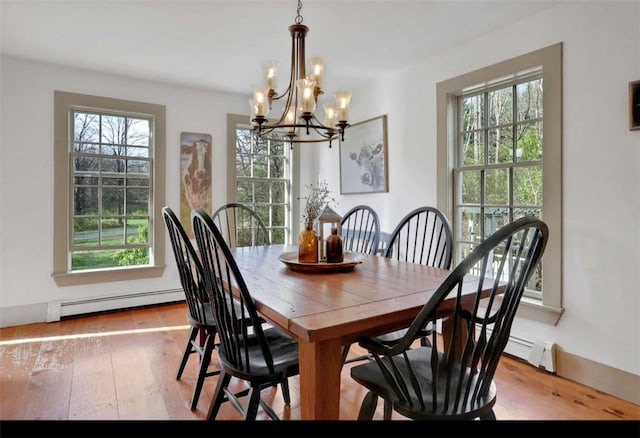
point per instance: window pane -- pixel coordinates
(93, 260)
(278, 213)
(277, 192)
(138, 181)
(85, 231)
(85, 180)
(260, 166)
(112, 181)
(86, 148)
(277, 148)
(113, 130)
(112, 232)
(112, 165)
(85, 201)
(263, 213)
(464, 249)
(470, 186)
(501, 107)
(138, 202)
(529, 145)
(137, 152)
(473, 112)
(137, 231)
(529, 97)
(86, 127)
(500, 145)
(112, 201)
(138, 166)
(473, 148)
(260, 147)
(470, 230)
(243, 165)
(494, 219)
(496, 186)
(243, 142)
(277, 167)
(527, 185)
(261, 193)
(277, 236)
(85, 164)
(115, 150)
(138, 132)
(244, 192)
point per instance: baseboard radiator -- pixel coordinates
(539, 353)
(59, 309)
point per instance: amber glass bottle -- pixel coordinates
(308, 245)
(334, 247)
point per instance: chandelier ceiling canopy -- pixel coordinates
(298, 121)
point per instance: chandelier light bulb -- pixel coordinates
(343, 100)
(317, 69)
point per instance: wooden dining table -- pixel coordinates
(325, 310)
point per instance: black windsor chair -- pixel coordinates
(260, 356)
(422, 383)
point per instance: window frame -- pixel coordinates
(64, 104)
(549, 59)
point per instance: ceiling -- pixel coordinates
(222, 44)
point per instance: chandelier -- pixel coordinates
(300, 99)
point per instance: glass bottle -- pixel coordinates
(334, 247)
(308, 245)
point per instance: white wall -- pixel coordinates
(26, 173)
(601, 188)
(601, 163)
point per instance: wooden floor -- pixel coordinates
(121, 366)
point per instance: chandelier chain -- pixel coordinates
(299, 17)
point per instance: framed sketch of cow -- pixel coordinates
(195, 175)
(363, 157)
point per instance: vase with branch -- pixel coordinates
(319, 196)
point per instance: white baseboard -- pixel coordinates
(54, 310)
(59, 309)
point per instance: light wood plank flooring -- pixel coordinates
(121, 366)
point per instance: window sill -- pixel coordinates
(106, 275)
(536, 310)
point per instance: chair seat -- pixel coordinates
(283, 351)
(207, 323)
(422, 407)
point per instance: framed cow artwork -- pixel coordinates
(363, 157)
(195, 176)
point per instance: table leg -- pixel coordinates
(320, 368)
(460, 338)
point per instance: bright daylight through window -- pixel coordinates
(262, 169)
(111, 158)
(498, 172)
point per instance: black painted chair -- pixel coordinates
(423, 383)
(240, 225)
(422, 236)
(360, 230)
(199, 312)
(261, 356)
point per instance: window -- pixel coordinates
(107, 189)
(499, 158)
(261, 178)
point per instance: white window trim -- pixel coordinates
(62, 274)
(549, 309)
